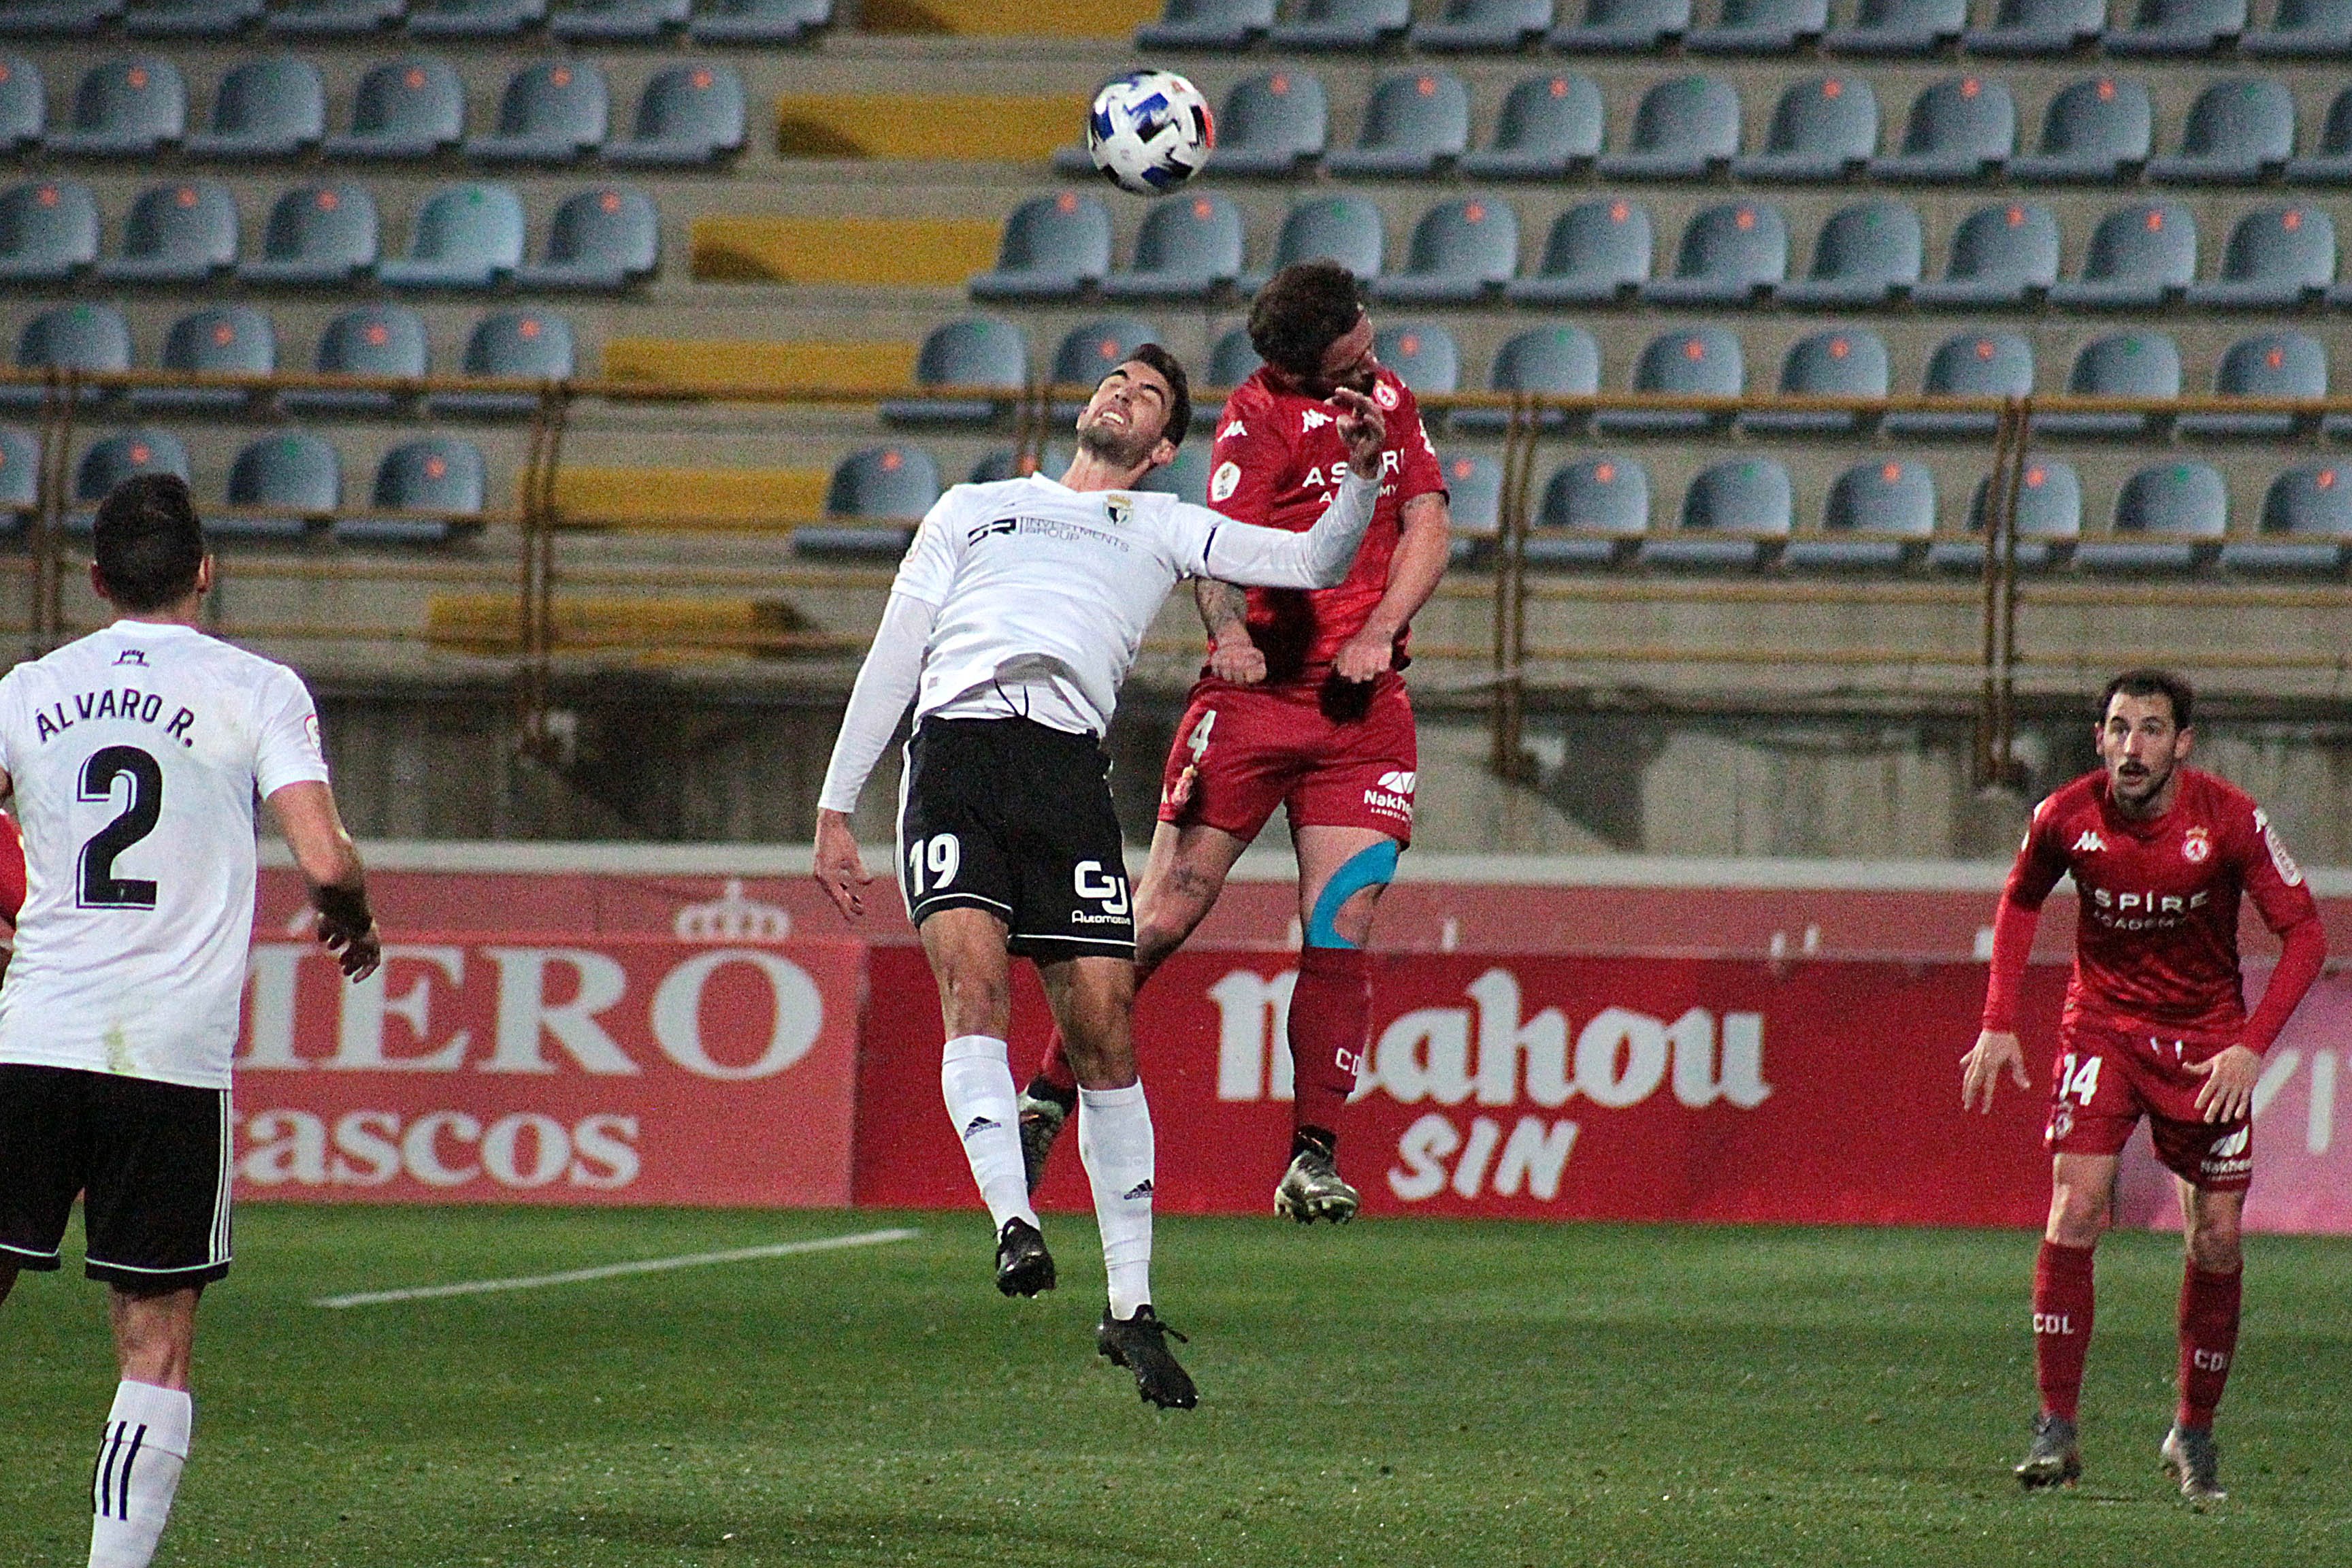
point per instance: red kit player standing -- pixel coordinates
(1302, 705)
(2154, 1026)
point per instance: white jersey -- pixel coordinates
(137, 753)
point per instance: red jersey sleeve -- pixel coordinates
(2040, 859)
(1419, 473)
(2040, 863)
(2270, 874)
(1248, 462)
(12, 869)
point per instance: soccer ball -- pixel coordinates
(1150, 132)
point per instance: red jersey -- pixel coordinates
(1277, 461)
(2157, 939)
(12, 869)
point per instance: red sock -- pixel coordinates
(1055, 1069)
(2208, 1341)
(1331, 1018)
(2061, 1325)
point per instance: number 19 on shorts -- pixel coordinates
(938, 855)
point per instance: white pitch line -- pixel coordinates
(614, 1270)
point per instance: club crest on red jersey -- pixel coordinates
(2196, 845)
(1384, 395)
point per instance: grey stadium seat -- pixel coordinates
(2049, 519)
(2001, 255)
(1888, 496)
(2101, 128)
(2277, 258)
(1413, 123)
(1623, 26)
(333, 18)
(190, 18)
(1682, 130)
(2039, 27)
(1761, 27)
(1345, 229)
(1474, 498)
(2123, 364)
(281, 486)
(2238, 132)
(20, 474)
(1733, 254)
(982, 351)
(439, 477)
(1425, 357)
(687, 116)
(2178, 27)
(57, 18)
(1866, 254)
(1463, 252)
(1606, 498)
(225, 340)
(1900, 27)
(126, 108)
(1555, 362)
(1188, 248)
(375, 340)
(620, 21)
(1233, 359)
(123, 455)
(1003, 464)
(317, 235)
(465, 236)
(889, 482)
(411, 108)
(1092, 349)
(1695, 362)
(600, 240)
(1273, 124)
(1962, 128)
(1498, 25)
(2331, 165)
(275, 107)
(1983, 363)
(760, 21)
(1847, 362)
(474, 18)
(48, 231)
(2169, 517)
(23, 103)
(184, 231)
(2272, 364)
(1823, 129)
(552, 113)
(1597, 253)
(1342, 25)
(2303, 29)
(529, 344)
(1207, 25)
(1054, 247)
(1185, 476)
(1550, 126)
(1734, 514)
(70, 338)
(2307, 524)
(2139, 256)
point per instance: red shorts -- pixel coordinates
(1335, 757)
(2107, 1079)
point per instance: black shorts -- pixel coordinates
(149, 1160)
(1010, 816)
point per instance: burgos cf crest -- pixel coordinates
(2196, 845)
(1121, 509)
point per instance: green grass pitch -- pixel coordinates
(1397, 1392)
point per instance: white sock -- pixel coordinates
(139, 1462)
(1115, 1142)
(976, 1080)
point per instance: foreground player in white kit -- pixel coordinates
(1015, 619)
(135, 754)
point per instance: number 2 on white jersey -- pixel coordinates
(940, 855)
(98, 887)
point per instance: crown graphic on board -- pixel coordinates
(731, 917)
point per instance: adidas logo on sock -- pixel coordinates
(980, 1124)
(1141, 1189)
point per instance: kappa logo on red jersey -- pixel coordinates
(2196, 845)
(1312, 419)
(2089, 841)
(1232, 430)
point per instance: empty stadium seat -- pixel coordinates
(1898, 28)
(889, 482)
(1425, 357)
(1550, 362)
(1234, 359)
(1054, 247)
(1000, 465)
(1473, 501)
(273, 107)
(1462, 252)
(1698, 362)
(2272, 364)
(226, 340)
(552, 112)
(1185, 476)
(1091, 350)
(20, 473)
(1623, 26)
(440, 480)
(1549, 127)
(1864, 255)
(2049, 519)
(1824, 128)
(2139, 256)
(465, 236)
(2125, 364)
(1734, 515)
(1962, 128)
(333, 18)
(1342, 24)
(2001, 255)
(375, 340)
(1973, 365)
(601, 240)
(2331, 163)
(1207, 25)
(123, 455)
(1597, 253)
(1761, 27)
(982, 351)
(2169, 517)
(2303, 29)
(48, 231)
(410, 108)
(317, 235)
(1606, 498)
(1345, 229)
(1682, 130)
(760, 21)
(1733, 254)
(1273, 124)
(2099, 129)
(24, 104)
(1188, 248)
(126, 108)
(1848, 362)
(1885, 496)
(1413, 123)
(2178, 27)
(619, 21)
(190, 18)
(518, 345)
(57, 18)
(474, 18)
(280, 486)
(2238, 132)
(688, 116)
(2276, 259)
(2039, 27)
(1499, 25)
(70, 338)
(184, 231)
(2306, 523)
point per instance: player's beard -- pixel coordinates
(2138, 792)
(1121, 447)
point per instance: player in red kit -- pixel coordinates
(1302, 705)
(2156, 1025)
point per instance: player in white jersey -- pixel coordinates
(135, 755)
(1013, 622)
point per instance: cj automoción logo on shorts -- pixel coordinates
(1394, 793)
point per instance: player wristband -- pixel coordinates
(345, 908)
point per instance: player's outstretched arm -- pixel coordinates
(1224, 612)
(330, 862)
(1980, 1068)
(1421, 552)
(1320, 558)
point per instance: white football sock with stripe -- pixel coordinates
(1114, 1143)
(139, 1462)
(976, 1079)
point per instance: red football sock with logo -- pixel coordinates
(2061, 1325)
(1054, 1073)
(2208, 1341)
(1330, 1017)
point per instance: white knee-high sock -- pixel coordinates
(977, 1082)
(139, 1462)
(1115, 1142)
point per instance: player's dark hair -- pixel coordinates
(148, 543)
(1179, 389)
(2173, 688)
(1301, 312)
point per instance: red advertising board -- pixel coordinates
(604, 1070)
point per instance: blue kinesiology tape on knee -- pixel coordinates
(1372, 867)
